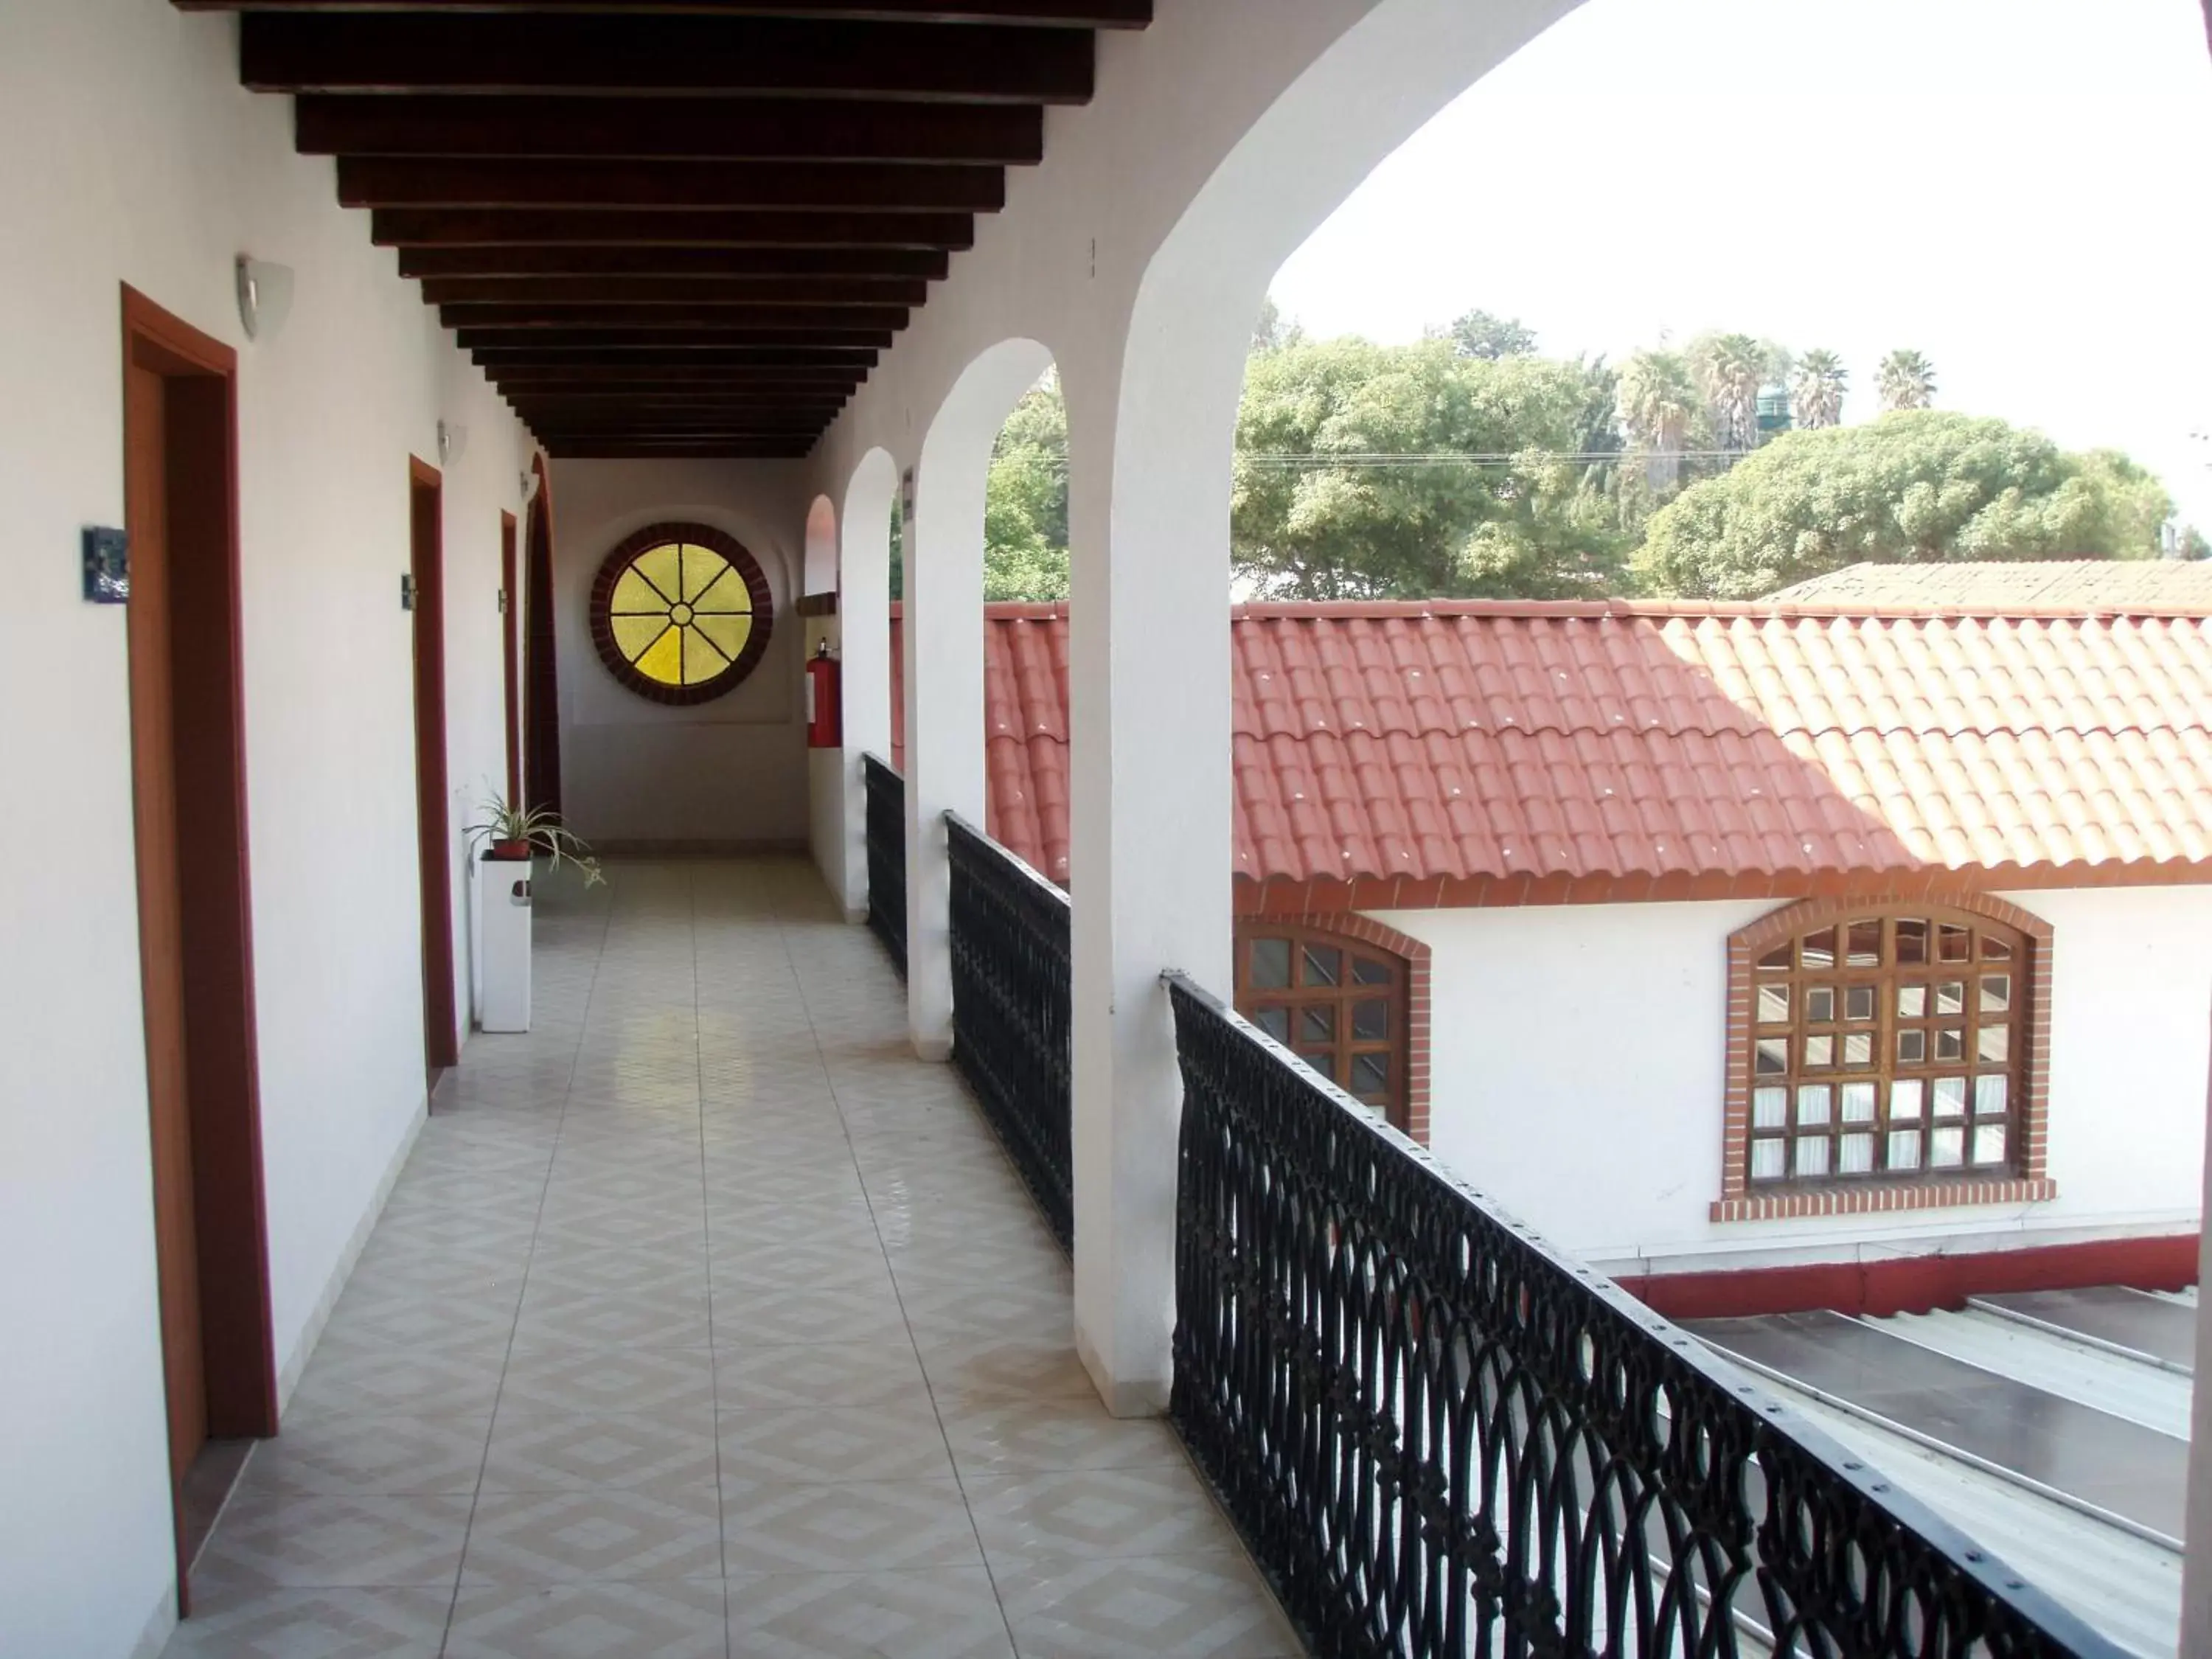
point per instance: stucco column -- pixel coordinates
(864, 618)
(1150, 796)
(2197, 1563)
(944, 691)
(944, 662)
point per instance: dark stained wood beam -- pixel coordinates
(1039, 14)
(597, 375)
(372, 181)
(642, 411)
(751, 292)
(696, 129)
(456, 52)
(924, 264)
(630, 341)
(552, 226)
(589, 449)
(864, 325)
(671, 356)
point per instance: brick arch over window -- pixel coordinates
(1407, 1101)
(2023, 1180)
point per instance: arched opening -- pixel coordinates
(942, 657)
(820, 574)
(863, 589)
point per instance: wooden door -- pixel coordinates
(160, 928)
(440, 1041)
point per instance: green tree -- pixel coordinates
(1478, 334)
(1730, 369)
(1273, 329)
(1659, 405)
(1905, 380)
(1348, 485)
(1816, 390)
(1915, 486)
(1025, 501)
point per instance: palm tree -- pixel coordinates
(1816, 389)
(1731, 368)
(1658, 401)
(1907, 381)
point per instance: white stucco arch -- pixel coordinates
(864, 560)
(944, 659)
(1138, 252)
(820, 572)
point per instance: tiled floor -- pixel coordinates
(706, 1320)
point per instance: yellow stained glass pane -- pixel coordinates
(634, 595)
(726, 634)
(726, 592)
(664, 662)
(660, 565)
(702, 568)
(635, 635)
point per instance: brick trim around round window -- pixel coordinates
(2029, 1182)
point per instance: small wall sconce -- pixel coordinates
(530, 487)
(264, 296)
(453, 442)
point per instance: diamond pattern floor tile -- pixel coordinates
(705, 1322)
(680, 1619)
(950, 1613)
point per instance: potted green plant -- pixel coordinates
(511, 835)
(519, 833)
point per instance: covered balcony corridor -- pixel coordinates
(704, 1319)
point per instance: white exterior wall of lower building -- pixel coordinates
(130, 154)
(1576, 1057)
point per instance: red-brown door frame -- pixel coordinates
(541, 677)
(510, 644)
(204, 729)
(427, 563)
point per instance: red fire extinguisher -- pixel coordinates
(825, 723)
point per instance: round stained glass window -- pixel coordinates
(680, 613)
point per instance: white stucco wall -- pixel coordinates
(1576, 1074)
(130, 154)
(729, 772)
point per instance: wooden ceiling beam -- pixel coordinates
(670, 357)
(865, 325)
(456, 52)
(752, 293)
(879, 264)
(1035, 13)
(554, 227)
(693, 129)
(627, 411)
(375, 181)
(617, 342)
(598, 375)
(588, 449)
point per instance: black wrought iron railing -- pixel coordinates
(1441, 1438)
(886, 814)
(1013, 987)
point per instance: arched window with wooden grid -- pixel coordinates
(1888, 1045)
(1349, 1006)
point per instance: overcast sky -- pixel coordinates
(2015, 188)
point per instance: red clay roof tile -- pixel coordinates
(1452, 746)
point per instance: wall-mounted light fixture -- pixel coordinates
(264, 296)
(453, 442)
(530, 481)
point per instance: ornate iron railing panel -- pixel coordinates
(886, 812)
(1012, 988)
(1441, 1438)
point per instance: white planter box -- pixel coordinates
(502, 887)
